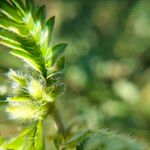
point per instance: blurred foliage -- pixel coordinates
(108, 64)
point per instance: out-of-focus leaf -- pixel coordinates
(3, 104)
(44, 40)
(61, 64)
(11, 44)
(103, 140)
(77, 139)
(2, 141)
(10, 12)
(58, 89)
(54, 74)
(111, 141)
(24, 42)
(39, 140)
(50, 24)
(55, 52)
(34, 139)
(28, 19)
(81, 146)
(9, 36)
(41, 14)
(28, 59)
(16, 143)
(19, 5)
(29, 143)
(11, 25)
(30, 6)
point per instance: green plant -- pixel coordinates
(24, 29)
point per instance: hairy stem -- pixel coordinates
(58, 120)
(52, 110)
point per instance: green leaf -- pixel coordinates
(60, 64)
(54, 74)
(46, 36)
(30, 6)
(41, 14)
(111, 141)
(50, 24)
(77, 139)
(30, 140)
(39, 139)
(2, 141)
(9, 36)
(80, 147)
(19, 5)
(11, 44)
(17, 142)
(44, 41)
(55, 77)
(55, 52)
(58, 89)
(10, 12)
(11, 25)
(34, 139)
(26, 49)
(3, 104)
(28, 20)
(17, 39)
(28, 59)
(37, 31)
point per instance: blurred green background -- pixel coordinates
(108, 64)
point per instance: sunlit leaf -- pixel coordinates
(30, 6)
(28, 59)
(17, 142)
(9, 11)
(19, 5)
(39, 139)
(11, 25)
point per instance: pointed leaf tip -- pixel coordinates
(41, 14)
(30, 6)
(50, 25)
(57, 51)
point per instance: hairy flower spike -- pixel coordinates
(25, 112)
(35, 89)
(16, 77)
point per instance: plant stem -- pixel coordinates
(58, 120)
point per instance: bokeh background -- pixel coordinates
(108, 64)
